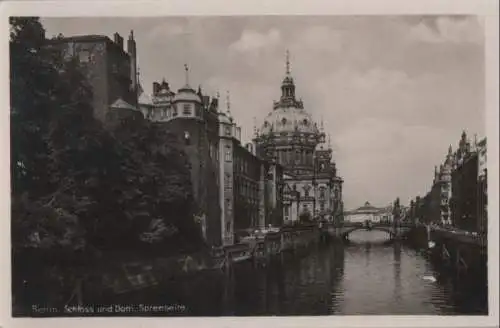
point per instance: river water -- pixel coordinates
(366, 276)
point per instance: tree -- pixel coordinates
(77, 188)
(40, 96)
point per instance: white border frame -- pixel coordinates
(487, 8)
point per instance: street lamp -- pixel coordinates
(297, 194)
(281, 186)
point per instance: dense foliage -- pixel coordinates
(78, 188)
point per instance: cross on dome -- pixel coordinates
(228, 104)
(186, 69)
(287, 62)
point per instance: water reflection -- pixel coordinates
(359, 278)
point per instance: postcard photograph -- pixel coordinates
(248, 166)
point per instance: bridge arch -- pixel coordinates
(389, 230)
(343, 230)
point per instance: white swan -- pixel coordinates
(429, 278)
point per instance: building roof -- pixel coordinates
(145, 99)
(367, 208)
(224, 118)
(289, 120)
(122, 104)
(80, 38)
(187, 94)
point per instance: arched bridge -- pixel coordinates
(344, 229)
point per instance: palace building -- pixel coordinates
(233, 188)
(368, 212)
(110, 70)
(290, 137)
(440, 193)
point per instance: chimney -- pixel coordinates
(118, 40)
(206, 101)
(215, 104)
(156, 87)
(132, 51)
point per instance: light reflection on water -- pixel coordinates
(366, 276)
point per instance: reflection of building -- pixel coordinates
(368, 212)
(233, 188)
(290, 136)
(110, 70)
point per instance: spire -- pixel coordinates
(450, 150)
(322, 127)
(255, 126)
(329, 142)
(139, 89)
(287, 88)
(464, 136)
(186, 69)
(287, 62)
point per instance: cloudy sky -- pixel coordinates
(394, 91)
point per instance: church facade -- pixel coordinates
(289, 136)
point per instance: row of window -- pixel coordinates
(286, 208)
(322, 192)
(173, 111)
(247, 189)
(288, 156)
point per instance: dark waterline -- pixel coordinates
(367, 276)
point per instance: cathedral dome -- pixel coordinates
(289, 120)
(186, 94)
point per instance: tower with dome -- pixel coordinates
(290, 137)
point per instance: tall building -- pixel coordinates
(110, 69)
(233, 188)
(482, 190)
(458, 195)
(440, 193)
(464, 201)
(289, 136)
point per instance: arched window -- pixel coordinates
(322, 192)
(187, 138)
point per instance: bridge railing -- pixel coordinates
(372, 224)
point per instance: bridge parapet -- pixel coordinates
(345, 228)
